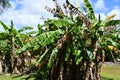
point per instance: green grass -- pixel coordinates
(110, 72)
(12, 77)
(107, 72)
(7, 77)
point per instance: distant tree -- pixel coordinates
(4, 4)
(10, 40)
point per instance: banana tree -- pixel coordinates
(13, 40)
(73, 45)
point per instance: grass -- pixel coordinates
(110, 72)
(7, 77)
(12, 77)
(107, 72)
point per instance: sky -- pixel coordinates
(29, 12)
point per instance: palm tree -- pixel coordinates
(72, 46)
(4, 4)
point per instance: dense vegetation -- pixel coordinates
(70, 47)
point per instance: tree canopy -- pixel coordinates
(4, 4)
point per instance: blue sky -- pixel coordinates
(107, 5)
(28, 12)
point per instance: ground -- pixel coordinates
(108, 72)
(111, 72)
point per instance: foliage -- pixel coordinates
(43, 39)
(75, 42)
(84, 40)
(10, 40)
(4, 5)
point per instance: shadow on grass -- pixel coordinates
(105, 78)
(25, 77)
(17, 76)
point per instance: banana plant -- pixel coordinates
(13, 39)
(73, 46)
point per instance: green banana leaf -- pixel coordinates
(43, 39)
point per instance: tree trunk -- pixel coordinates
(1, 69)
(13, 59)
(68, 70)
(63, 70)
(93, 66)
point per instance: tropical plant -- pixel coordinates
(10, 40)
(73, 45)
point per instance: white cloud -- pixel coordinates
(102, 15)
(29, 14)
(31, 10)
(116, 11)
(100, 5)
(74, 2)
